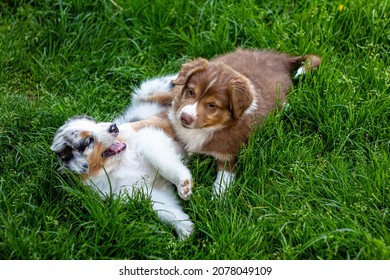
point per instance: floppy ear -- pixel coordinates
(71, 159)
(241, 95)
(189, 69)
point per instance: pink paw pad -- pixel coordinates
(185, 188)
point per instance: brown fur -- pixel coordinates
(85, 134)
(159, 121)
(235, 79)
(230, 83)
(95, 161)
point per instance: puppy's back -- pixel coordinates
(269, 71)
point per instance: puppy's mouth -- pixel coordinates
(116, 148)
(185, 125)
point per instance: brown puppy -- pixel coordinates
(216, 103)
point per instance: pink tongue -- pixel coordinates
(117, 147)
(114, 149)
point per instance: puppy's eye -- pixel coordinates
(189, 93)
(90, 140)
(211, 106)
(84, 144)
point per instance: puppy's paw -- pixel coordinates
(218, 191)
(185, 229)
(185, 188)
(223, 183)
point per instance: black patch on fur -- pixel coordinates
(66, 155)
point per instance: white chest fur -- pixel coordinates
(193, 139)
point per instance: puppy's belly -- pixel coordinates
(139, 176)
(127, 175)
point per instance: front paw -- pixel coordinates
(185, 188)
(222, 183)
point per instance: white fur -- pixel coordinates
(210, 84)
(253, 105)
(222, 183)
(139, 109)
(150, 163)
(300, 71)
(153, 87)
(190, 110)
(193, 139)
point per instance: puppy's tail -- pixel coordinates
(306, 63)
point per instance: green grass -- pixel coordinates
(313, 183)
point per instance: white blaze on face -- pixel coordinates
(210, 85)
(190, 110)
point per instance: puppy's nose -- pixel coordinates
(113, 128)
(186, 119)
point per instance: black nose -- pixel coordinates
(113, 128)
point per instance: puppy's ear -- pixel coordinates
(189, 69)
(71, 159)
(241, 95)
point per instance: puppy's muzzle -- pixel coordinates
(186, 120)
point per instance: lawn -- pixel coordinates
(313, 182)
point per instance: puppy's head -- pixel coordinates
(210, 95)
(84, 146)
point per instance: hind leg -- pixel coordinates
(141, 107)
